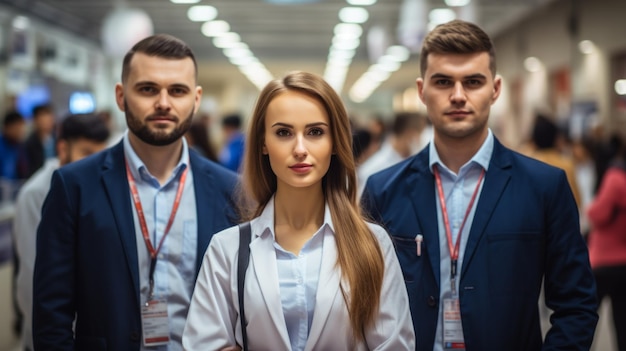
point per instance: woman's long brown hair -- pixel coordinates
(359, 255)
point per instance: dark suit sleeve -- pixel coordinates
(54, 277)
(569, 283)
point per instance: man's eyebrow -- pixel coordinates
(445, 76)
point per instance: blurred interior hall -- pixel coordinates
(561, 58)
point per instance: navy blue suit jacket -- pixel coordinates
(87, 262)
(526, 227)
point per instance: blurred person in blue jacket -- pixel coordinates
(232, 152)
(11, 139)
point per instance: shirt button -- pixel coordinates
(161, 256)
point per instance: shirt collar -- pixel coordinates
(266, 220)
(482, 157)
(139, 170)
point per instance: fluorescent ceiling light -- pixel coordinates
(346, 44)
(399, 52)
(226, 40)
(439, 16)
(361, 2)
(350, 30)
(215, 28)
(20, 22)
(457, 3)
(586, 47)
(620, 87)
(353, 15)
(201, 13)
(532, 64)
(185, 1)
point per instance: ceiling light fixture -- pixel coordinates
(215, 28)
(620, 87)
(185, 1)
(353, 15)
(379, 72)
(201, 13)
(586, 47)
(361, 2)
(457, 3)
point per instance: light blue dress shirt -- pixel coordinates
(176, 261)
(458, 190)
(298, 277)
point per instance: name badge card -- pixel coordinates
(154, 319)
(452, 327)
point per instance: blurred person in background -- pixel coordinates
(40, 144)
(198, 137)
(378, 130)
(607, 240)
(586, 178)
(402, 143)
(11, 140)
(123, 232)
(361, 145)
(231, 154)
(545, 140)
(79, 136)
(115, 133)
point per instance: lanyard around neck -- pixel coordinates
(142, 220)
(454, 250)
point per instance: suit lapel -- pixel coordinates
(204, 191)
(422, 185)
(263, 256)
(327, 291)
(118, 192)
(496, 179)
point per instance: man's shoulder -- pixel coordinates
(89, 166)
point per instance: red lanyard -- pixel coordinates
(454, 251)
(142, 219)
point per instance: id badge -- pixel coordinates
(452, 327)
(154, 319)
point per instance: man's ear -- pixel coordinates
(119, 96)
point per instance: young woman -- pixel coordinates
(319, 276)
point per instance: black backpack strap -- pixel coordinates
(245, 236)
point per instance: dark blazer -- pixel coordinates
(525, 227)
(87, 262)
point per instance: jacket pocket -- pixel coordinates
(406, 250)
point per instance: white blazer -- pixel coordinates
(213, 321)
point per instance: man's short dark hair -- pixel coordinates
(159, 45)
(83, 126)
(457, 37)
(42, 108)
(11, 118)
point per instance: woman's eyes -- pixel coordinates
(313, 132)
(283, 132)
(316, 131)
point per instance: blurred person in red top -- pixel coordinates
(607, 241)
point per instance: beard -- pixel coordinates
(156, 137)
